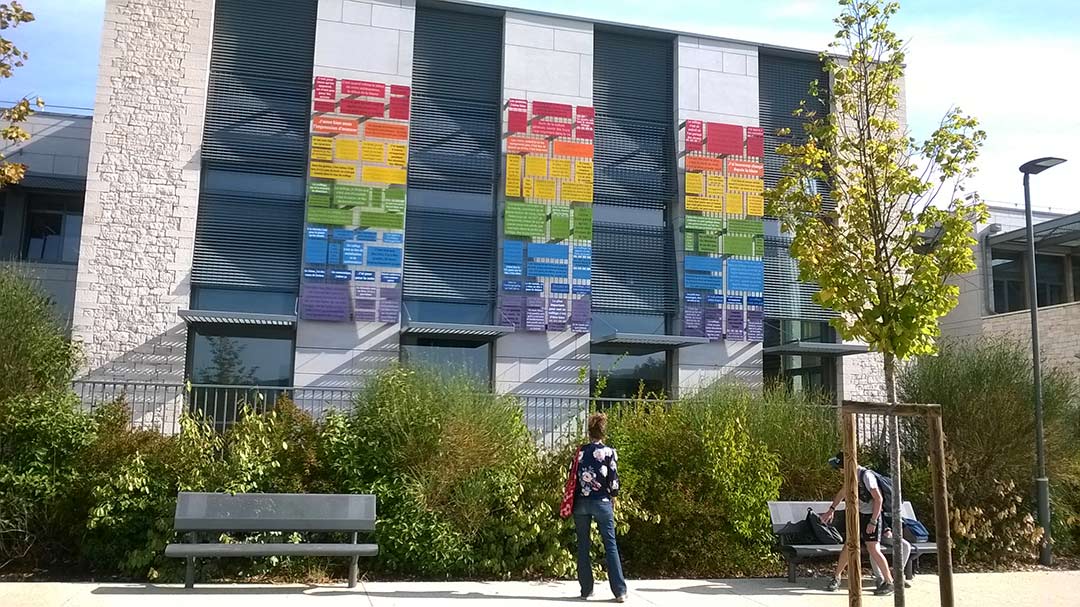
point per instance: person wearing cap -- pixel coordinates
(869, 521)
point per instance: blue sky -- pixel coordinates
(1005, 61)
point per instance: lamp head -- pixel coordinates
(1034, 167)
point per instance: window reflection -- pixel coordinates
(467, 357)
(1009, 280)
(238, 356)
(53, 227)
(626, 373)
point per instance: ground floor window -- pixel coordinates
(226, 363)
(469, 357)
(626, 372)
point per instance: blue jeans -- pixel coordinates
(585, 511)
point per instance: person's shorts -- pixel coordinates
(864, 522)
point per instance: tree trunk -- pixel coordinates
(894, 471)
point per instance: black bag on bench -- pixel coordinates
(823, 534)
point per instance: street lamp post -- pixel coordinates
(1042, 484)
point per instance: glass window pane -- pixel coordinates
(418, 310)
(237, 300)
(459, 201)
(234, 359)
(53, 227)
(625, 374)
(72, 231)
(1008, 279)
(455, 356)
(606, 323)
(1050, 276)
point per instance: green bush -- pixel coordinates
(698, 484)
(42, 439)
(36, 358)
(985, 390)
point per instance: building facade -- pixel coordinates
(994, 301)
(41, 217)
(307, 193)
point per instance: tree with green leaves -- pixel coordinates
(13, 15)
(902, 225)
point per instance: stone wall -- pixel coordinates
(863, 377)
(142, 188)
(716, 82)
(1059, 333)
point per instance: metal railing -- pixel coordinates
(551, 419)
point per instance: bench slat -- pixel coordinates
(274, 512)
(250, 550)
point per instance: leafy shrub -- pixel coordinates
(985, 390)
(802, 430)
(449, 465)
(698, 483)
(41, 440)
(36, 358)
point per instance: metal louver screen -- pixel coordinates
(634, 99)
(785, 296)
(247, 242)
(457, 77)
(783, 82)
(632, 269)
(258, 102)
(449, 256)
(257, 120)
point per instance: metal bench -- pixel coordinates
(216, 513)
(783, 513)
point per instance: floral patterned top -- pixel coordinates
(598, 475)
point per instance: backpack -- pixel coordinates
(914, 531)
(823, 534)
(796, 533)
(884, 485)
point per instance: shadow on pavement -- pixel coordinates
(312, 591)
(754, 587)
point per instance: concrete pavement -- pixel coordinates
(1029, 589)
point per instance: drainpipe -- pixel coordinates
(988, 268)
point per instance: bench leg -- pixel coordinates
(791, 571)
(189, 575)
(354, 568)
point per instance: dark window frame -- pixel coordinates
(71, 204)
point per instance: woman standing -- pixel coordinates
(594, 499)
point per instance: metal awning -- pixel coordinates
(648, 339)
(1061, 235)
(212, 317)
(815, 348)
(453, 329)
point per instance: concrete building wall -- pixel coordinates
(142, 188)
(544, 59)
(715, 82)
(369, 40)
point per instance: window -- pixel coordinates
(1050, 275)
(238, 300)
(241, 356)
(1076, 277)
(419, 310)
(625, 372)
(1008, 275)
(53, 226)
(224, 356)
(1009, 280)
(470, 357)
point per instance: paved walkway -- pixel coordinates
(1035, 589)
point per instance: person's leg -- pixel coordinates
(605, 523)
(874, 548)
(841, 564)
(583, 525)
